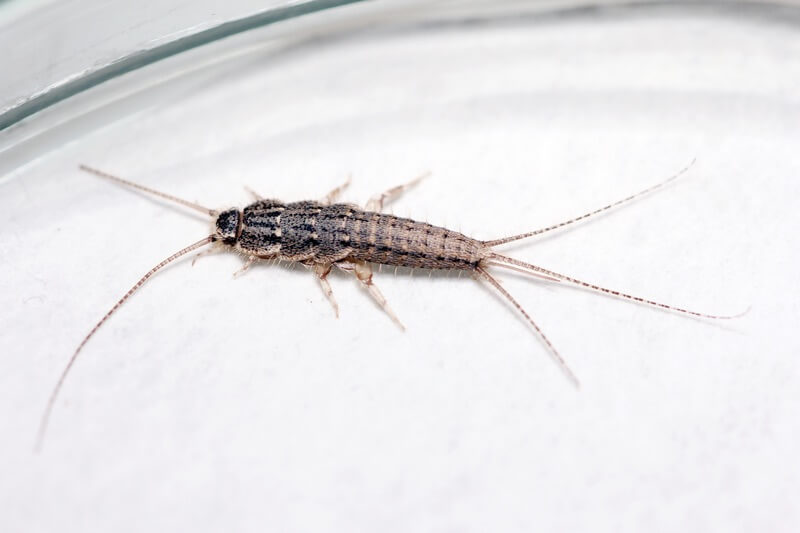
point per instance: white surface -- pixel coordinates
(209, 404)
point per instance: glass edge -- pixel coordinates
(131, 62)
(142, 58)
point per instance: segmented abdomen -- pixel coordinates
(310, 231)
(391, 240)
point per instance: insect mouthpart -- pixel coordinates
(229, 226)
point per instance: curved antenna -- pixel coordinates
(106, 175)
(618, 203)
(54, 395)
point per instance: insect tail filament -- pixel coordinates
(618, 203)
(561, 362)
(505, 261)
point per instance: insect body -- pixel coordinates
(323, 234)
(318, 233)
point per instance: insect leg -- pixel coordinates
(363, 272)
(376, 202)
(198, 255)
(246, 266)
(334, 194)
(322, 270)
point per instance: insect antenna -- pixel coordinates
(618, 203)
(504, 261)
(106, 175)
(561, 362)
(54, 394)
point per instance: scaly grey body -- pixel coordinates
(312, 232)
(323, 234)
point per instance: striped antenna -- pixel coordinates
(106, 175)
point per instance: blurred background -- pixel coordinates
(208, 403)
